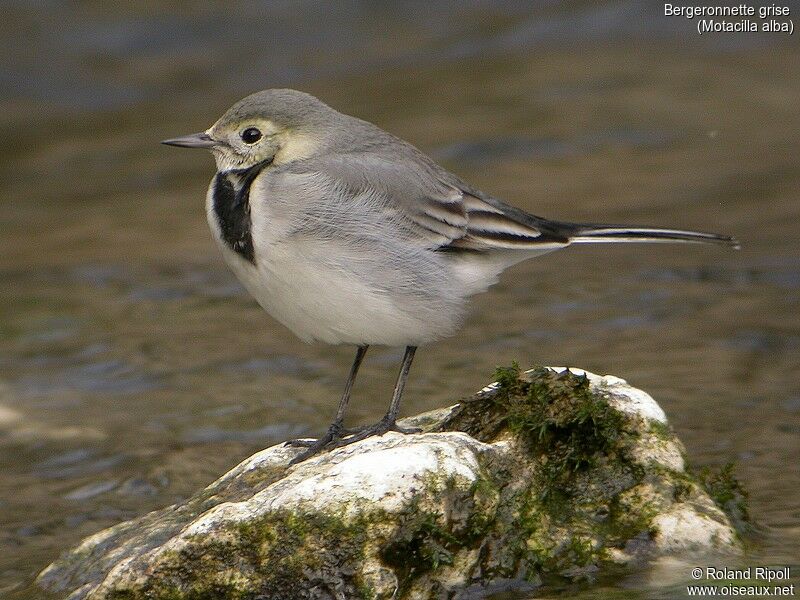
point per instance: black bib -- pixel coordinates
(231, 197)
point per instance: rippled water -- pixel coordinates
(134, 368)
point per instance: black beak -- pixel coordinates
(195, 140)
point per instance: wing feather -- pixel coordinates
(434, 208)
(394, 187)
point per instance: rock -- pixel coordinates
(542, 476)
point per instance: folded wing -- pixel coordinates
(440, 212)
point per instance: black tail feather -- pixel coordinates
(593, 234)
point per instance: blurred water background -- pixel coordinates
(133, 367)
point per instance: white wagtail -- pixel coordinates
(349, 235)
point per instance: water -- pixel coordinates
(133, 367)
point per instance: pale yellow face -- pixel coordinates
(243, 144)
(250, 141)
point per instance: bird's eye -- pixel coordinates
(251, 135)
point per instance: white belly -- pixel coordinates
(299, 283)
(319, 304)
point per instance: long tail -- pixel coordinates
(493, 223)
(594, 234)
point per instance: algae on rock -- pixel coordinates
(548, 474)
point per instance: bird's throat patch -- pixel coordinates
(232, 208)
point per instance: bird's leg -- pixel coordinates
(389, 420)
(394, 407)
(336, 430)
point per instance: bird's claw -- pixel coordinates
(301, 443)
(405, 430)
(338, 437)
(335, 432)
(383, 426)
(377, 428)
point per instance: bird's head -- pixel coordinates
(277, 126)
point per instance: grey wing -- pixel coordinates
(395, 189)
(435, 209)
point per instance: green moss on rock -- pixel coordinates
(269, 557)
(565, 426)
(577, 446)
(728, 494)
(661, 430)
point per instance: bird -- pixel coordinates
(347, 234)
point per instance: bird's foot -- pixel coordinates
(405, 430)
(378, 427)
(335, 432)
(361, 433)
(338, 436)
(365, 431)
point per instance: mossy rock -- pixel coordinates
(547, 475)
